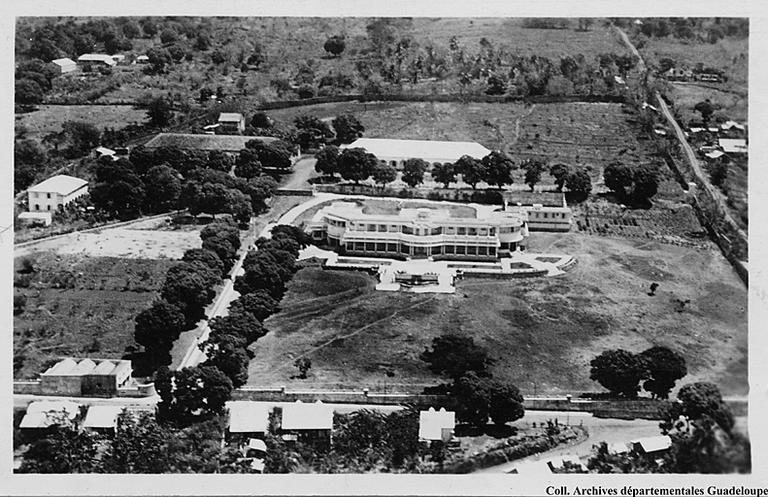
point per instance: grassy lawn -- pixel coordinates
(49, 118)
(80, 306)
(542, 332)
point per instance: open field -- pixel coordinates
(49, 118)
(79, 306)
(542, 332)
(148, 240)
(729, 55)
(732, 105)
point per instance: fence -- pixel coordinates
(288, 192)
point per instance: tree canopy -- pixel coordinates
(454, 355)
(348, 128)
(413, 171)
(619, 371)
(665, 367)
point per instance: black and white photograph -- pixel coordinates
(343, 244)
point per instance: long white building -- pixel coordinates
(397, 151)
(421, 232)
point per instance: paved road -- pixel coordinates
(302, 171)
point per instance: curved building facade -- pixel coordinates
(418, 233)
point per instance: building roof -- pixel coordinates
(230, 117)
(733, 145)
(224, 143)
(732, 124)
(43, 414)
(142, 57)
(300, 416)
(429, 150)
(105, 151)
(70, 367)
(66, 61)
(547, 199)
(102, 416)
(432, 423)
(715, 154)
(618, 448)
(654, 444)
(247, 416)
(97, 57)
(256, 444)
(61, 184)
(45, 216)
(71, 408)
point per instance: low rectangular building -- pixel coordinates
(46, 413)
(96, 59)
(102, 418)
(64, 65)
(55, 193)
(208, 143)
(86, 377)
(247, 418)
(733, 145)
(436, 425)
(307, 422)
(396, 152)
(232, 122)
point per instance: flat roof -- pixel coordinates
(733, 145)
(247, 416)
(97, 57)
(230, 116)
(353, 212)
(429, 150)
(61, 184)
(102, 416)
(300, 416)
(63, 61)
(188, 141)
(547, 199)
(654, 444)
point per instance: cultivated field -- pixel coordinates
(79, 306)
(49, 118)
(542, 332)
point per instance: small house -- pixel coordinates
(652, 445)
(232, 122)
(55, 193)
(436, 425)
(64, 65)
(247, 418)
(307, 422)
(102, 419)
(46, 413)
(733, 145)
(35, 218)
(100, 152)
(142, 59)
(96, 59)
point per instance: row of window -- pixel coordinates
(553, 215)
(426, 231)
(48, 207)
(39, 194)
(404, 248)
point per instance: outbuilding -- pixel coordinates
(102, 419)
(247, 418)
(232, 122)
(96, 59)
(436, 425)
(64, 65)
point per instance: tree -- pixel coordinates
(619, 371)
(261, 120)
(706, 109)
(260, 189)
(334, 45)
(230, 358)
(159, 111)
(222, 247)
(453, 355)
(190, 287)
(560, 172)
(156, 328)
(206, 256)
(240, 206)
(645, 182)
(118, 191)
(498, 168)
(191, 394)
(384, 173)
(444, 173)
(28, 92)
(472, 170)
(303, 364)
(506, 402)
(703, 399)
(327, 160)
(259, 304)
(247, 164)
(533, 169)
(348, 128)
(62, 449)
(579, 182)
(81, 136)
(202, 42)
(219, 161)
(413, 171)
(618, 177)
(665, 367)
(496, 85)
(168, 35)
(276, 154)
(473, 401)
(139, 446)
(238, 324)
(311, 131)
(356, 164)
(159, 59)
(163, 188)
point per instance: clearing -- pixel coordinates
(75, 305)
(49, 118)
(542, 332)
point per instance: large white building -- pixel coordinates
(421, 232)
(397, 151)
(55, 192)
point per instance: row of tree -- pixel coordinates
(496, 168)
(476, 394)
(621, 372)
(188, 288)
